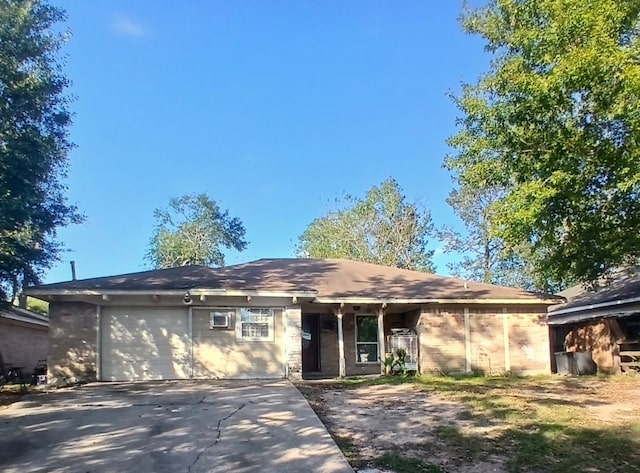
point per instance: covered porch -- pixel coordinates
(351, 339)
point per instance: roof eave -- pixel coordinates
(382, 300)
(167, 292)
(598, 305)
(26, 320)
(576, 318)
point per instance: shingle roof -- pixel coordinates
(329, 278)
(622, 286)
(23, 315)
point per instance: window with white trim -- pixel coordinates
(367, 349)
(254, 324)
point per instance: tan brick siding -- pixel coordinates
(217, 353)
(293, 334)
(529, 347)
(443, 346)
(72, 343)
(329, 357)
(441, 334)
(487, 341)
(23, 344)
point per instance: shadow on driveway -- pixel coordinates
(171, 426)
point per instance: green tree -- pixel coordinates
(556, 120)
(34, 143)
(483, 256)
(383, 228)
(36, 305)
(192, 230)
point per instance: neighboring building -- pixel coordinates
(24, 337)
(275, 318)
(604, 322)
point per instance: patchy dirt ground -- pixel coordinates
(10, 393)
(376, 419)
(463, 426)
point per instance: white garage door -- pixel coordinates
(139, 343)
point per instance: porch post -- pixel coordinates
(381, 347)
(343, 371)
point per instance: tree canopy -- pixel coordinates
(34, 142)
(381, 228)
(556, 120)
(483, 256)
(193, 230)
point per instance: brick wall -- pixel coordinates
(487, 341)
(293, 340)
(444, 346)
(329, 356)
(72, 342)
(529, 346)
(501, 339)
(441, 334)
(23, 344)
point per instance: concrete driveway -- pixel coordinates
(174, 426)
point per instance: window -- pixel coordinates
(254, 324)
(367, 339)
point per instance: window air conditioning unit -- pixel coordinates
(219, 319)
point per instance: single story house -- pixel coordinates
(24, 337)
(274, 318)
(604, 321)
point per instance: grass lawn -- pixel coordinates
(480, 424)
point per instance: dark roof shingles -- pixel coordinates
(330, 278)
(623, 285)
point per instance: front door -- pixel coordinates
(310, 342)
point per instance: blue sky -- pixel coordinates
(273, 108)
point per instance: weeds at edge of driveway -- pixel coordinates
(347, 447)
(10, 393)
(405, 464)
(541, 425)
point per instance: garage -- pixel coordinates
(142, 343)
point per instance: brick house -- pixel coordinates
(275, 318)
(24, 337)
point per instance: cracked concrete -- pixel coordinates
(188, 426)
(217, 437)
